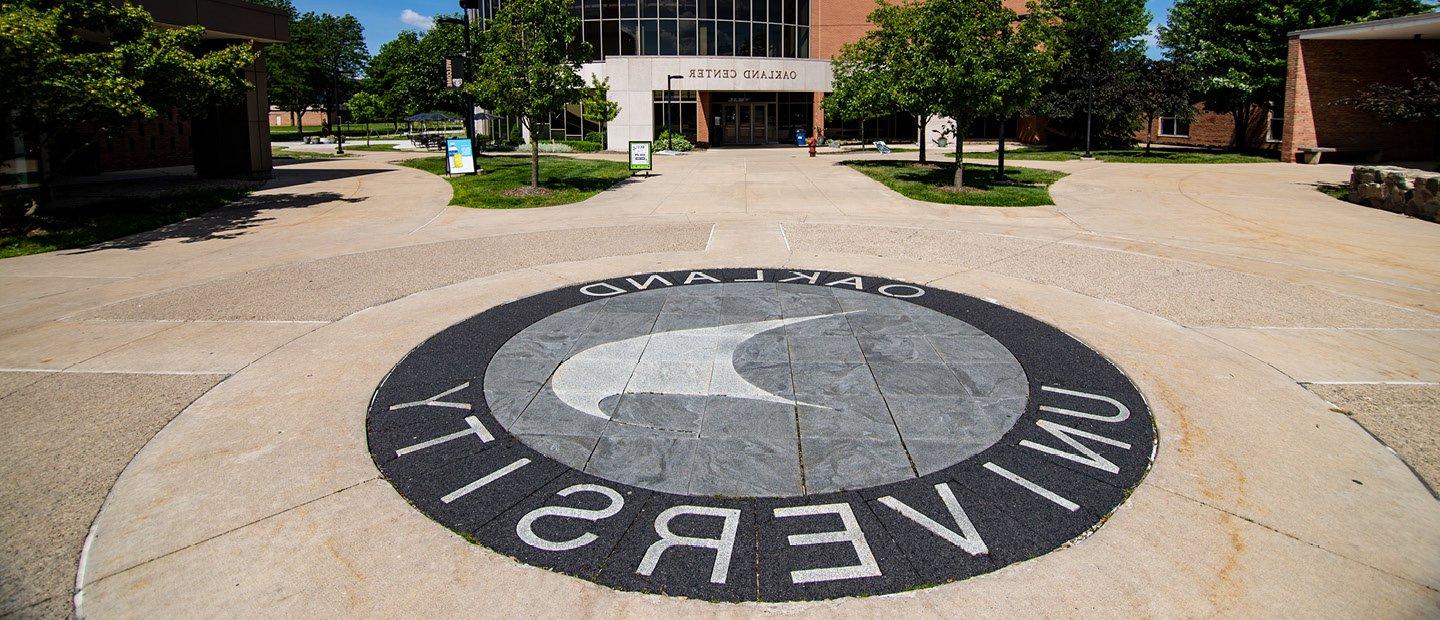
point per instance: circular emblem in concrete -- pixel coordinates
(761, 434)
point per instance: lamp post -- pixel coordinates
(669, 139)
(465, 7)
(339, 115)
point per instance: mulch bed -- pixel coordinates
(526, 192)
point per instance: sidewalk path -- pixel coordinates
(259, 333)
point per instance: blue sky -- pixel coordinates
(383, 19)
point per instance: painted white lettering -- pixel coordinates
(968, 538)
(601, 289)
(696, 276)
(525, 528)
(810, 278)
(1032, 487)
(759, 277)
(434, 401)
(1121, 414)
(649, 281)
(476, 428)
(491, 477)
(867, 567)
(1067, 434)
(850, 281)
(902, 291)
(723, 546)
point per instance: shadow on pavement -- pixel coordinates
(227, 222)
(289, 175)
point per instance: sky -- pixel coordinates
(383, 19)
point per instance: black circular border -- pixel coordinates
(1015, 522)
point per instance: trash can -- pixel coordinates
(799, 137)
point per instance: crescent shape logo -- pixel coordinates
(592, 375)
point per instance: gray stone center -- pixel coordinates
(755, 389)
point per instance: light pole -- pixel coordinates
(339, 115)
(465, 7)
(670, 138)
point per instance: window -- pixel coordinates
(764, 28)
(1174, 127)
(1275, 130)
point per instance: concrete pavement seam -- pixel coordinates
(1295, 538)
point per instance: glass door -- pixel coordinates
(760, 128)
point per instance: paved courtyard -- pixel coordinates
(188, 408)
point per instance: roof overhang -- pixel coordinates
(223, 19)
(1422, 26)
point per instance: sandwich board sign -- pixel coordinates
(640, 157)
(459, 156)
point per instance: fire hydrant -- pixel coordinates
(811, 142)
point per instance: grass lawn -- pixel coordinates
(383, 148)
(570, 180)
(1129, 156)
(932, 183)
(77, 227)
(282, 152)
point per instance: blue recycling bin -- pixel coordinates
(799, 137)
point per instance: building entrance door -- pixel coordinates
(745, 123)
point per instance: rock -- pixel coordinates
(1401, 190)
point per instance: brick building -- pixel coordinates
(232, 140)
(1214, 130)
(312, 117)
(721, 72)
(1327, 65)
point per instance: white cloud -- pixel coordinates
(416, 20)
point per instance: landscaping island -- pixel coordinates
(1023, 187)
(568, 180)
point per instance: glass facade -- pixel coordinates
(764, 28)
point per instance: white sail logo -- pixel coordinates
(610, 369)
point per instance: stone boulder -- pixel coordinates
(1401, 190)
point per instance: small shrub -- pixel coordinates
(673, 141)
(598, 137)
(555, 147)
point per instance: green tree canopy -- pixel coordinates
(408, 73)
(597, 106)
(887, 69)
(76, 69)
(981, 62)
(321, 65)
(530, 64)
(1099, 53)
(1167, 90)
(1239, 48)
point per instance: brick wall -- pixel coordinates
(1322, 72)
(833, 23)
(155, 143)
(1214, 130)
(311, 118)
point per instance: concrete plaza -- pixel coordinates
(186, 408)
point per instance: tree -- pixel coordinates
(76, 70)
(1239, 47)
(530, 65)
(320, 65)
(1099, 49)
(597, 106)
(887, 69)
(1165, 91)
(1419, 100)
(971, 44)
(366, 108)
(1020, 50)
(408, 73)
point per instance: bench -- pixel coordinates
(1311, 154)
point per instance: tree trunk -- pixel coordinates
(298, 119)
(959, 156)
(534, 153)
(920, 134)
(1149, 131)
(1240, 114)
(1000, 154)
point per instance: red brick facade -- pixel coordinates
(833, 23)
(283, 118)
(1214, 130)
(1324, 71)
(159, 142)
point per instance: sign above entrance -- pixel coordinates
(746, 74)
